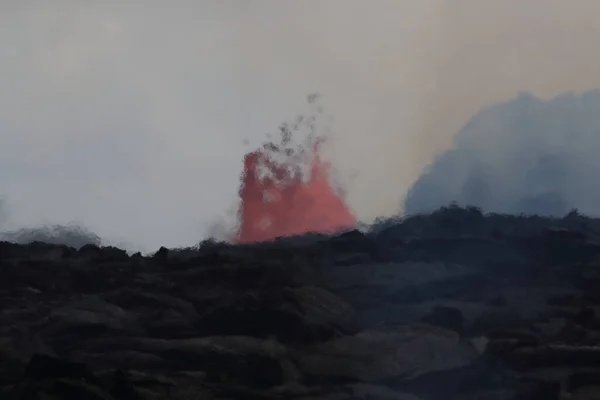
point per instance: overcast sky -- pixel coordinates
(130, 117)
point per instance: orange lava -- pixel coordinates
(284, 204)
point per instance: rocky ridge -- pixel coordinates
(453, 305)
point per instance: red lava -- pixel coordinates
(285, 204)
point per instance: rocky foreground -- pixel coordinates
(453, 307)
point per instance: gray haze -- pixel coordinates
(523, 156)
(130, 118)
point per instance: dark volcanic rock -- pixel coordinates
(303, 314)
(446, 317)
(46, 377)
(373, 356)
(461, 306)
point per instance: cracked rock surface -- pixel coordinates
(402, 313)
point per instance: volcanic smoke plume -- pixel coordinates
(527, 155)
(287, 192)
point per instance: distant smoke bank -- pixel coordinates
(70, 235)
(523, 156)
(286, 188)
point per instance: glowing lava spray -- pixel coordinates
(286, 191)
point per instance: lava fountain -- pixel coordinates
(280, 198)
